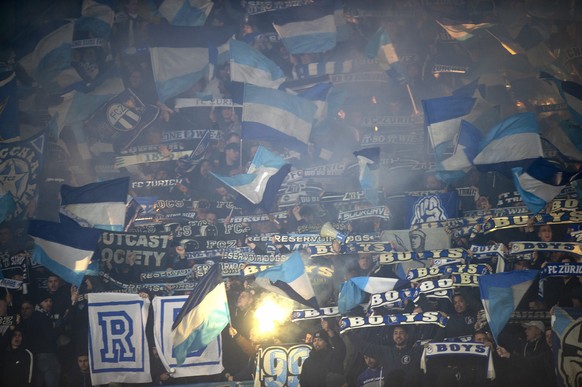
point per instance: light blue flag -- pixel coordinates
(177, 69)
(369, 162)
(64, 248)
(461, 161)
(541, 183)
(100, 205)
(189, 13)
(443, 117)
(318, 95)
(249, 65)
(7, 205)
(571, 92)
(513, 142)
(382, 49)
(276, 116)
(352, 291)
(317, 69)
(307, 29)
(289, 279)
(567, 138)
(501, 293)
(263, 178)
(96, 20)
(202, 317)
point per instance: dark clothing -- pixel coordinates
(460, 324)
(78, 379)
(16, 368)
(40, 335)
(371, 378)
(323, 362)
(531, 359)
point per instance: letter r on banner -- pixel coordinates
(117, 330)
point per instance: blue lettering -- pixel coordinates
(117, 330)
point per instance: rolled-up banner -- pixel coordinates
(437, 271)
(565, 247)
(403, 256)
(561, 269)
(311, 314)
(437, 318)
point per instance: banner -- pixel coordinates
(392, 121)
(431, 208)
(118, 347)
(321, 171)
(156, 183)
(311, 314)
(370, 76)
(561, 269)
(432, 350)
(191, 134)
(566, 331)
(382, 212)
(437, 318)
(197, 102)
(397, 257)
(20, 167)
(566, 247)
(207, 361)
(275, 216)
(280, 365)
(144, 250)
(404, 138)
(436, 271)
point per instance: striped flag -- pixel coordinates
(249, 65)
(185, 12)
(352, 291)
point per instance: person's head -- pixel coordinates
(320, 340)
(26, 309)
(211, 218)
(365, 261)
(459, 303)
(483, 338)
(232, 152)
(549, 337)
(232, 138)
(371, 362)
(521, 264)
(245, 300)
(533, 330)
(16, 339)
(308, 338)
(53, 283)
(432, 183)
(205, 167)
(132, 6)
(45, 301)
(545, 233)
(5, 235)
(400, 336)
(83, 363)
(417, 239)
(483, 203)
(307, 213)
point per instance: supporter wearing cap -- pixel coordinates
(530, 357)
(325, 362)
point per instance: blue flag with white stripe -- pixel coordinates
(381, 48)
(369, 162)
(100, 205)
(189, 13)
(352, 291)
(571, 92)
(64, 248)
(249, 65)
(501, 293)
(541, 183)
(289, 279)
(461, 161)
(276, 116)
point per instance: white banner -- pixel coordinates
(207, 361)
(118, 347)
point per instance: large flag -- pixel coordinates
(185, 12)
(263, 178)
(307, 29)
(64, 248)
(100, 205)
(541, 183)
(369, 162)
(318, 94)
(566, 137)
(203, 316)
(206, 361)
(571, 92)
(249, 65)
(9, 121)
(513, 142)
(566, 331)
(20, 167)
(289, 279)
(276, 116)
(352, 291)
(118, 344)
(460, 162)
(382, 49)
(501, 293)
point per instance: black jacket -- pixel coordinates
(323, 362)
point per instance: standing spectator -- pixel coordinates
(16, 363)
(462, 320)
(373, 375)
(80, 376)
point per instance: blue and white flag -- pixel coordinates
(571, 92)
(9, 120)
(432, 208)
(317, 69)
(249, 65)
(202, 317)
(352, 291)
(177, 69)
(64, 248)
(443, 117)
(511, 143)
(118, 345)
(96, 20)
(318, 94)
(567, 138)
(100, 205)
(566, 327)
(369, 162)
(205, 361)
(382, 49)
(307, 29)
(275, 116)
(541, 183)
(185, 12)
(461, 161)
(263, 178)
(289, 279)
(501, 293)
(7, 205)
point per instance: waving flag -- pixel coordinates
(307, 29)
(369, 162)
(202, 317)
(513, 142)
(501, 293)
(541, 183)
(64, 248)
(289, 279)
(352, 291)
(461, 161)
(567, 138)
(318, 95)
(461, 30)
(186, 12)
(571, 92)
(381, 48)
(249, 65)
(262, 180)
(99, 205)
(276, 116)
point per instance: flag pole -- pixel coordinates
(416, 112)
